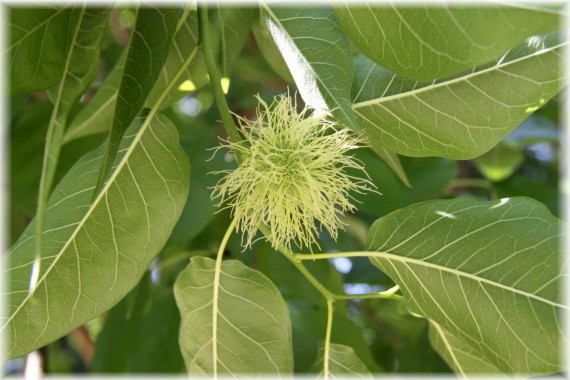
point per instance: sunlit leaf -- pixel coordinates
(487, 272)
(440, 40)
(270, 50)
(460, 117)
(317, 53)
(245, 329)
(96, 251)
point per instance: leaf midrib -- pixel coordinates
(94, 204)
(393, 257)
(448, 347)
(463, 78)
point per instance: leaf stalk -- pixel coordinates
(215, 79)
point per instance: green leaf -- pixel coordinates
(318, 55)
(342, 362)
(535, 129)
(97, 116)
(245, 330)
(487, 272)
(270, 51)
(184, 53)
(38, 46)
(147, 318)
(427, 43)
(147, 52)
(459, 355)
(500, 162)
(233, 24)
(534, 181)
(95, 251)
(79, 70)
(461, 117)
(309, 321)
(27, 140)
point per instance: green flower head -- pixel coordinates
(293, 175)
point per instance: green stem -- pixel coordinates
(215, 80)
(217, 271)
(384, 295)
(320, 256)
(308, 275)
(326, 355)
(388, 294)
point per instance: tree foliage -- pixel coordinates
(442, 256)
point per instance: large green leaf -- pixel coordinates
(79, 69)
(461, 117)
(318, 55)
(38, 46)
(459, 355)
(244, 330)
(147, 52)
(342, 362)
(427, 43)
(487, 272)
(95, 252)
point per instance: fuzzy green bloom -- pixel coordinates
(292, 177)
